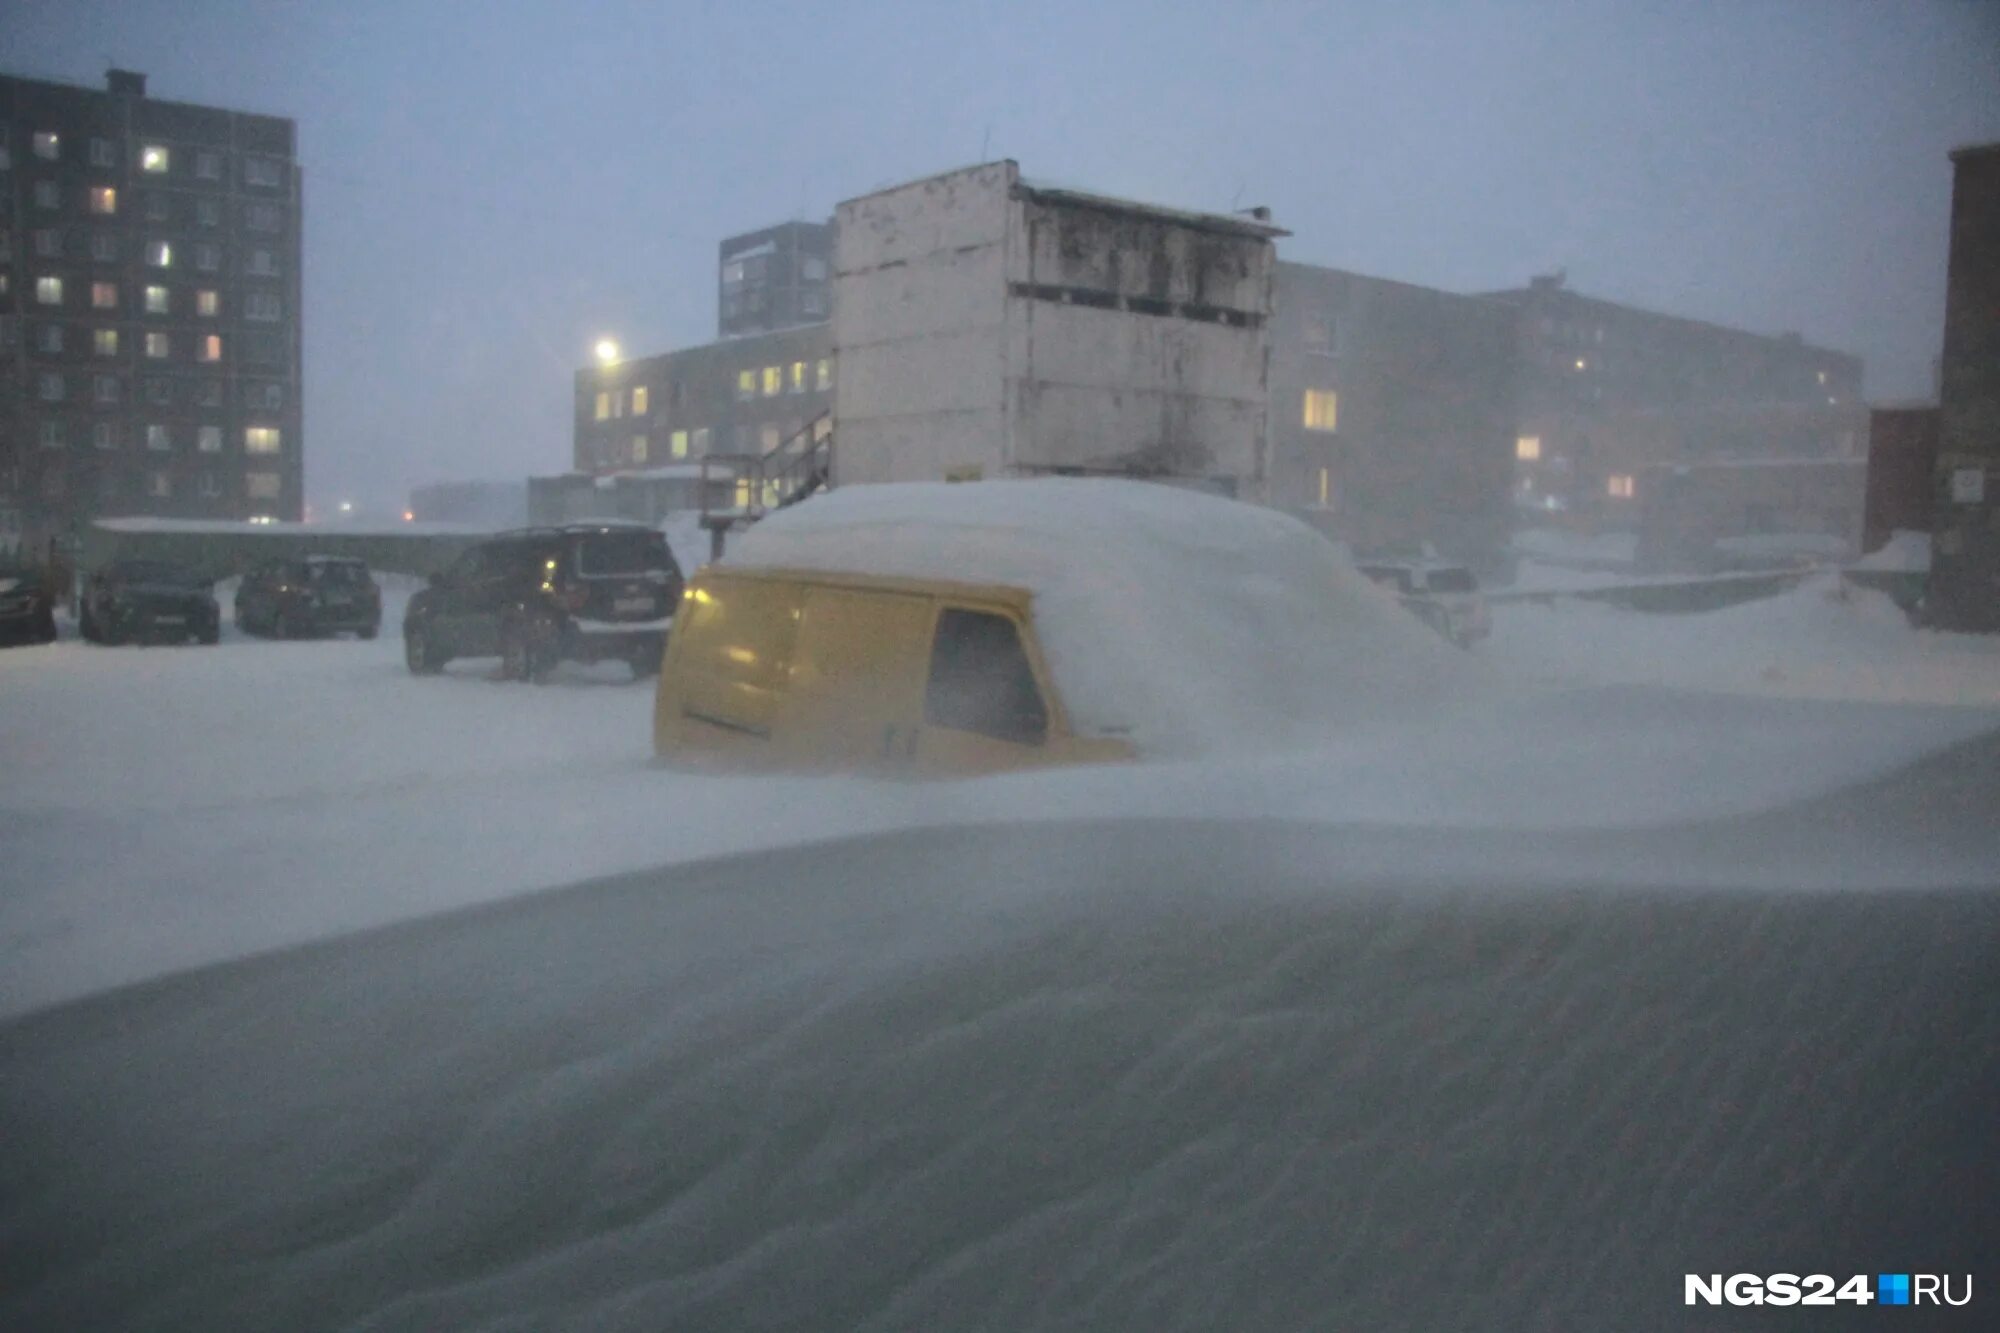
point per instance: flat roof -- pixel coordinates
(1234, 224)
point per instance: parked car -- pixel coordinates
(315, 594)
(149, 601)
(1444, 596)
(27, 606)
(585, 592)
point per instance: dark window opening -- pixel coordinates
(981, 681)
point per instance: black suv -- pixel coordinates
(315, 594)
(27, 610)
(154, 600)
(583, 593)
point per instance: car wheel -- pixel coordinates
(284, 626)
(370, 631)
(420, 652)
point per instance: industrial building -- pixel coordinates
(773, 279)
(149, 309)
(1965, 562)
(987, 326)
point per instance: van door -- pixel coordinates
(857, 677)
(984, 708)
(730, 663)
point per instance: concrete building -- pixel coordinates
(1605, 391)
(149, 308)
(740, 395)
(1965, 564)
(1902, 467)
(773, 279)
(990, 327)
(1392, 412)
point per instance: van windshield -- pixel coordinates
(1452, 580)
(601, 554)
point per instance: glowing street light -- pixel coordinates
(409, 517)
(607, 351)
(347, 506)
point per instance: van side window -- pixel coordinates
(980, 680)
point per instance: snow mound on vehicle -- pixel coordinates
(1185, 623)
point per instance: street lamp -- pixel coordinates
(607, 351)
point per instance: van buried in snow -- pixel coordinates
(938, 630)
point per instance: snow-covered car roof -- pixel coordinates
(1183, 622)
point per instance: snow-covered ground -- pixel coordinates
(1505, 1019)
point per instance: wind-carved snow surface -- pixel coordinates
(1103, 1076)
(1188, 624)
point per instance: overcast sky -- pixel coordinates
(491, 186)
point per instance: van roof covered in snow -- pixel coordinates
(1187, 623)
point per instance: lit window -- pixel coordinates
(153, 160)
(106, 342)
(1322, 409)
(640, 396)
(210, 348)
(261, 485)
(161, 484)
(48, 194)
(208, 165)
(639, 448)
(103, 199)
(260, 439)
(1619, 487)
(48, 147)
(774, 381)
(1528, 448)
(156, 300)
(207, 302)
(209, 439)
(104, 295)
(798, 377)
(101, 154)
(1325, 486)
(157, 437)
(823, 374)
(677, 443)
(159, 254)
(107, 389)
(157, 345)
(746, 384)
(1822, 377)
(603, 407)
(105, 433)
(48, 291)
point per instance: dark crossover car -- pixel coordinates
(314, 594)
(149, 601)
(27, 611)
(585, 592)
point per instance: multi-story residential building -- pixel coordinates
(149, 307)
(1606, 390)
(773, 279)
(1392, 411)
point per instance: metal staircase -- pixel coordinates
(739, 489)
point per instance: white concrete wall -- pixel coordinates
(958, 352)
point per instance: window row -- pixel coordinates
(257, 395)
(103, 201)
(163, 438)
(773, 380)
(156, 159)
(108, 248)
(263, 307)
(160, 485)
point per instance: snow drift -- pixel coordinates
(1185, 623)
(1109, 1076)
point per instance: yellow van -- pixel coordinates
(799, 669)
